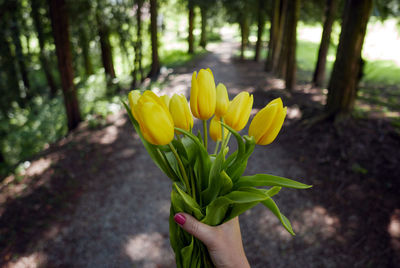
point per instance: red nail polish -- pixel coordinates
(179, 219)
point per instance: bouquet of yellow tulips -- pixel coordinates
(208, 186)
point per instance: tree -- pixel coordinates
(105, 45)
(203, 14)
(190, 28)
(286, 66)
(260, 28)
(137, 65)
(342, 89)
(59, 24)
(292, 18)
(330, 13)
(155, 61)
(16, 35)
(37, 21)
(276, 33)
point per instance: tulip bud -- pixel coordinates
(222, 100)
(239, 111)
(154, 119)
(268, 122)
(216, 130)
(203, 94)
(180, 112)
(133, 98)
(166, 99)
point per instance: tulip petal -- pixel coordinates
(276, 126)
(206, 99)
(262, 121)
(133, 98)
(193, 95)
(222, 100)
(156, 124)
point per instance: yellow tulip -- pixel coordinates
(239, 111)
(180, 112)
(222, 100)
(155, 121)
(203, 94)
(268, 122)
(215, 129)
(166, 99)
(133, 98)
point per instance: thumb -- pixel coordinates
(201, 231)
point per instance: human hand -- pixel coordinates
(224, 242)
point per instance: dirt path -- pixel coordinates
(119, 216)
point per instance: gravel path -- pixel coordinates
(121, 219)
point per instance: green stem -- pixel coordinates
(193, 186)
(181, 167)
(222, 131)
(165, 162)
(216, 147)
(226, 141)
(205, 133)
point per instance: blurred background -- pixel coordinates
(78, 190)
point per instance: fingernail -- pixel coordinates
(179, 219)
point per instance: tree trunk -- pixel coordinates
(260, 29)
(244, 32)
(293, 17)
(342, 87)
(84, 43)
(16, 34)
(191, 26)
(273, 35)
(9, 81)
(137, 69)
(155, 61)
(330, 12)
(105, 45)
(277, 52)
(203, 35)
(37, 20)
(59, 23)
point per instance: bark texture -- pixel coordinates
(330, 13)
(293, 17)
(137, 72)
(191, 26)
(203, 35)
(105, 45)
(59, 23)
(37, 21)
(260, 29)
(155, 60)
(342, 89)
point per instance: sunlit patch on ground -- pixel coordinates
(34, 260)
(316, 223)
(149, 249)
(394, 230)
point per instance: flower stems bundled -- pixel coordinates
(208, 186)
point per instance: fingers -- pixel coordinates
(199, 230)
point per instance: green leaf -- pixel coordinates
(187, 254)
(191, 205)
(214, 181)
(152, 150)
(273, 191)
(226, 183)
(242, 199)
(216, 211)
(205, 163)
(268, 180)
(271, 205)
(238, 166)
